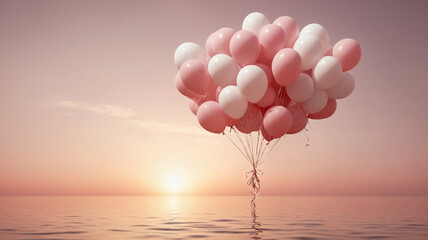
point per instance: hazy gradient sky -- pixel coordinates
(88, 103)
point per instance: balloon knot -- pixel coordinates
(254, 180)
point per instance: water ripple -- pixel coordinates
(377, 237)
(416, 225)
(7, 230)
(198, 236)
(229, 231)
(224, 220)
(305, 224)
(219, 221)
(168, 229)
(118, 230)
(304, 238)
(49, 239)
(180, 223)
(53, 233)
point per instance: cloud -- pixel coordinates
(128, 115)
(156, 126)
(105, 109)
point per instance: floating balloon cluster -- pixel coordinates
(267, 78)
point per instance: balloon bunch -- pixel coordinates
(264, 81)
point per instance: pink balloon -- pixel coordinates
(309, 72)
(229, 121)
(269, 98)
(326, 112)
(272, 39)
(208, 46)
(282, 98)
(211, 117)
(348, 51)
(193, 106)
(219, 42)
(291, 29)
(329, 51)
(267, 71)
(263, 60)
(277, 121)
(183, 89)
(251, 121)
(211, 93)
(244, 47)
(201, 100)
(286, 66)
(255, 117)
(299, 119)
(266, 135)
(274, 84)
(195, 77)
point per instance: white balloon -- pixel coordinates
(252, 82)
(343, 88)
(316, 102)
(232, 102)
(223, 70)
(301, 89)
(310, 50)
(254, 22)
(188, 51)
(318, 31)
(327, 72)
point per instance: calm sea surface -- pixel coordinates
(213, 218)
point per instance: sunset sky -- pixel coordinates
(88, 104)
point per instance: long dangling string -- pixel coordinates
(254, 148)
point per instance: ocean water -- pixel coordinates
(213, 218)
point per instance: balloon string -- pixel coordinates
(242, 143)
(283, 96)
(251, 146)
(254, 182)
(272, 147)
(306, 134)
(256, 225)
(275, 147)
(238, 135)
(236, 147)
(260, 147)
(278, 96)
(266, 146)
(247, 145)
(200, 98)
(255, 150)
(249, 153)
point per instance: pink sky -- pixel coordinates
(89, 106)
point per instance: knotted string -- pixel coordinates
(254, 183)
(255, 150)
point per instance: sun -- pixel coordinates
(173, 184)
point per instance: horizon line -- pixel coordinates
(211, 195)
